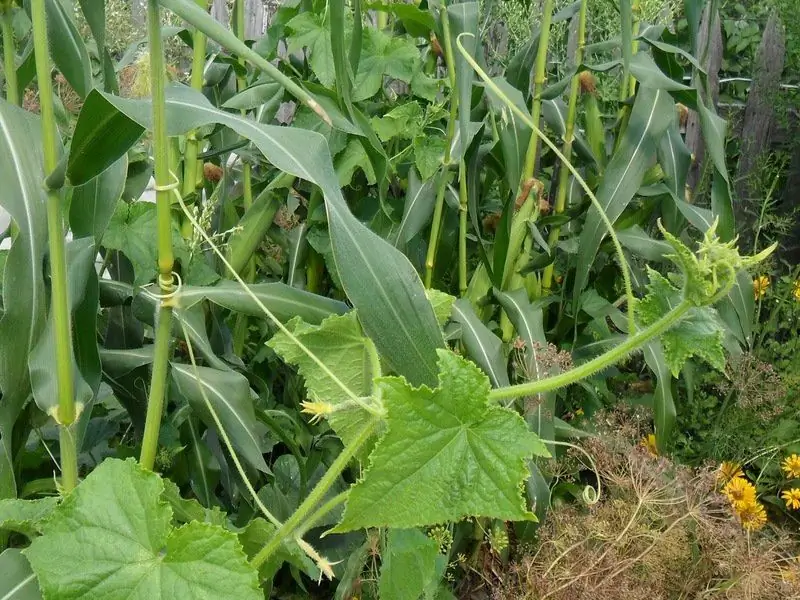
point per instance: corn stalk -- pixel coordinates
(164, 185)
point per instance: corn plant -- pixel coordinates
(328, 340)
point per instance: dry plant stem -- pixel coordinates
(566, 149)
(433, 243)
(164, 182)
(623, 263)
(9, 57)
(588, 570)
(67, 413)
(190, 162)
(539, 78)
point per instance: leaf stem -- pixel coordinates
(449, 59)
(566, 149)
(298, 519)
(597, 364)
(9, 57)
(58, 265)
(164, 186)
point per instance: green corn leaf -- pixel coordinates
(256, 96)
(650, 117)
(698, 334)
(675, 159)
(663, 400)
(408, 564)
(189, 321)
(119, 513)
(418, 207)
(80, 256)
(23, 289)
(298, 250)
(18, 581)
(464, 17)
(120, 362)
(626, 29)
(379, 280)
(714, 129)
(67, 48)
(93, 204)
(484, 347)
(447, 454)
(228, 393)
(284, 301)
(648, 74)
(25, 516)
(514, 134)
(637, 241)
(94, 11)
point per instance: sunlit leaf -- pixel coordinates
(118, 514)
(469, 456)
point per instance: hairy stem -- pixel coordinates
(449, 59)
(58, 264)
(566, 149)
(297, 521)
(9, 57)
(164, 186)
(597, 364)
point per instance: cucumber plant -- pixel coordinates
(301, 356)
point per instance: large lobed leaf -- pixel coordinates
(447, 454)
(378, 279)
(340, 344)
(112, 538)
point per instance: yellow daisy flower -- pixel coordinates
(729, 470)
(760, 285)
(792, 498)
(791, 466)
(796, 290)
(740, 492)
(648, 442)
(752, 516)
